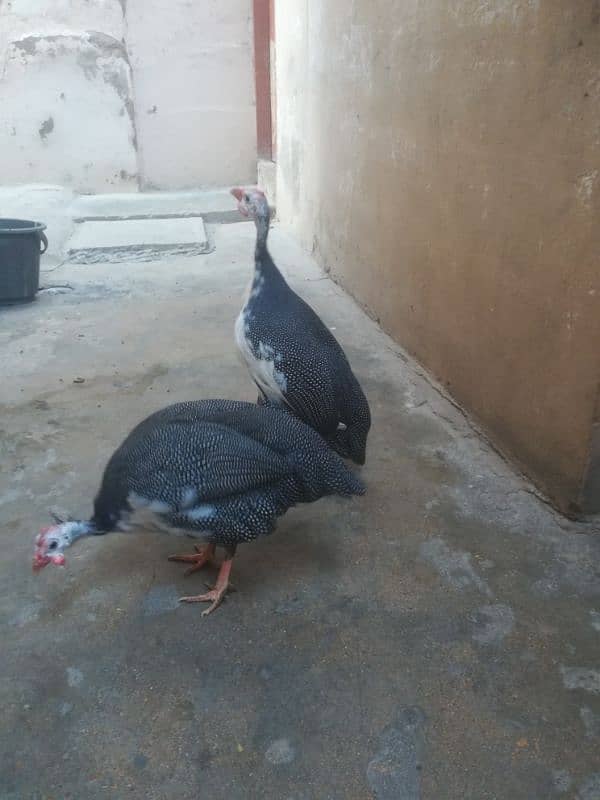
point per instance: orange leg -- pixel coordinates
(216, 595)
(203, 555)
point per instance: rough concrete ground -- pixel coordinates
(438, 638)
(62, 210)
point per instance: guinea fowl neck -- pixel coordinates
(262, 231)
(80, 528)
(265, 268)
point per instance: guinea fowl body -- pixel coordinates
(295, 360)
(222, 470)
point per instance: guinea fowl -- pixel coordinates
(292, 356)
(221, 470)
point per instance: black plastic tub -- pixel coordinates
(21, 243)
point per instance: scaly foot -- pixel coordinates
(204, 555)
(215, 595)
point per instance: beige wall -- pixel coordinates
(442, 159)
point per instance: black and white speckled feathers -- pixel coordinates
(224, 470)
(293, 357)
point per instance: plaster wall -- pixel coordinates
(194, 83)
(442, 160)
(67, 107)
(116, 95)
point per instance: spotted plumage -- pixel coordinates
(293, 358)
(221, 470)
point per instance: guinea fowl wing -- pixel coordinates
(310, 392)
(308, 357)
(177, 465)
(222, 470)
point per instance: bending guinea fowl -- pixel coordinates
(221, 470)
(292, 356)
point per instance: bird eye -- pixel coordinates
(53, 546)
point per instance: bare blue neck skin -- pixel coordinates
(267, 277)
(262, 231)
(82, 529)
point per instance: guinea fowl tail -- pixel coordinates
(349, 444)
(350, 440)
(354, 485)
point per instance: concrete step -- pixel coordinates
(64, 212)
(213, 205)
(96, 241)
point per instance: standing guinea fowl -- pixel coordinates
(223, 471)
(292, 356)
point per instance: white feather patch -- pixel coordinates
(138, 501)
(188, 497)
(159, 507)
(263, 368)
(256, 287)
(200, 512)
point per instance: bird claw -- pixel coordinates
(203, 555)
(217, 593)
(215, 597)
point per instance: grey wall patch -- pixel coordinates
(46, 128)
(395, 772)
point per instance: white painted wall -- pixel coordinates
(66, 114)
(21, 18)
(194, 91)
(97, 99)
(65, 82)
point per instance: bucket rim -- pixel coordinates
(23, 226)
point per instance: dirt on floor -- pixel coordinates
(437, 638)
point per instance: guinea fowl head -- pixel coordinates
(51, 542)
(252, 203)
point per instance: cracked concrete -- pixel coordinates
(450, 593)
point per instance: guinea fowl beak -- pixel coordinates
(40, 561)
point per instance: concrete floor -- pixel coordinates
(438, 638)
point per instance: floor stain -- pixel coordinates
(492, 624)
(395, 772)
(454, 566)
